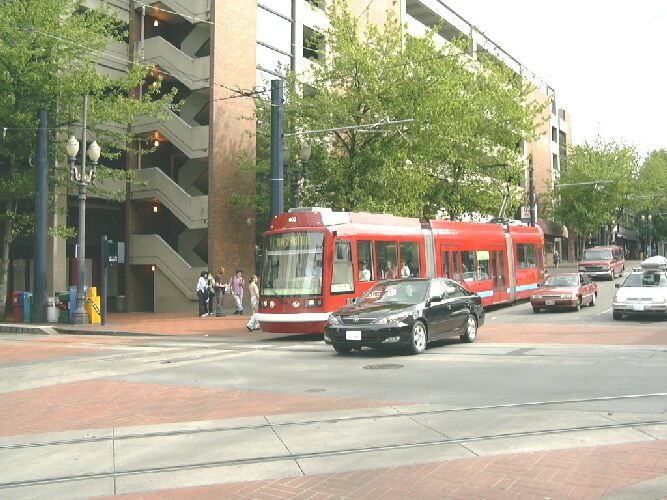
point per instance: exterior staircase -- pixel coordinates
(194, 73)
(191, 140)
(190, 210)
(151, 249)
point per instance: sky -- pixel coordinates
(605, 59)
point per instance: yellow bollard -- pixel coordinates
(93, 306)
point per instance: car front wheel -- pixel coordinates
(418, 338)
(342, 350)
(471, 330)
(613, 275)
(578, 306)
(617, 315)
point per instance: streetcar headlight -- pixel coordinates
(334, 320)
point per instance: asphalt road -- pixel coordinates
(294, 407)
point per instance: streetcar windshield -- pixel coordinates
(293, 264)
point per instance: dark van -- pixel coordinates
(603, 262)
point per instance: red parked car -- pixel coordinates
(565, 290)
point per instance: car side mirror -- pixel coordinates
(435, 298)
(617, 285)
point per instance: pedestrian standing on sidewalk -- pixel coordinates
(210, 293)
(556, 258)
(253, 324)
(236, 285)
(202, 293)
(219, 287)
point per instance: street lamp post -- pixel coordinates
(646, 221)
(83, 177)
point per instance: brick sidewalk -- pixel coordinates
(572, 473)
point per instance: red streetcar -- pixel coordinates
(317, 260)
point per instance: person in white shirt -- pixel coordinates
(253, 324)
(364, 273)
(202, 293)
(405, 270)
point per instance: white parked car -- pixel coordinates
(644, 291)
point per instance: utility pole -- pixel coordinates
(531, 192)
(41, 215)
(277, 138)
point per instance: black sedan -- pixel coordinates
(408, 312)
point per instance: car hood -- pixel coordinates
(555, 290)
(373, 309)
(641, 292)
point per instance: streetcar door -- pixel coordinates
(499, 273)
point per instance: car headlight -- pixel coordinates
(334, 320)
(394, 318)
(537, 296)
(660, 300)
(619, 299)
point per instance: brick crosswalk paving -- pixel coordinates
(108, 403)
(573, 473)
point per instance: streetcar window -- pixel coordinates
(387, 264)
(483, 265)
(446, 266)
(342, 279)
(526, 255)
(468, 259)
(365, 262)
(410, 256)
(458, 275)
(293, 264)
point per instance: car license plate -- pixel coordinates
(637, 307)
(353, 335)
(549, 302)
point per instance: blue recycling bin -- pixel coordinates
(27, 307)
(72, 299)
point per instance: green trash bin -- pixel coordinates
(27, 307)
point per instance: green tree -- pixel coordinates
(653, 192)
(468, 114)
(585, 206)
(49, 53)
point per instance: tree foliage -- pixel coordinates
(468, 114)
(49, 59)
(585, 206)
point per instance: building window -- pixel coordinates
(554, 134)
(313, 44)
(554, 162)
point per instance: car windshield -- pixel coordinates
(646, 279)
(293, 264)
(401, 292)
(597, 255)
(562, 281)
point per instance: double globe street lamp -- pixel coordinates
(649, 244)
(79, 173)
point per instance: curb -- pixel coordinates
(28, 329)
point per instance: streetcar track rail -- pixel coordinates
(321, 454)
(376, 416)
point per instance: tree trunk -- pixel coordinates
(4, 262)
